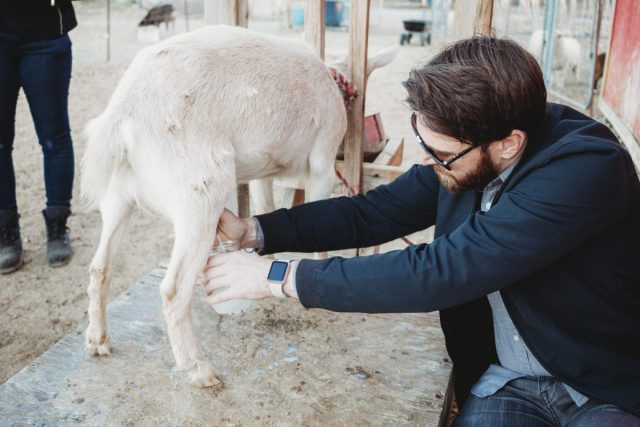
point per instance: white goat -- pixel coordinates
(567, 54)
(190, 118)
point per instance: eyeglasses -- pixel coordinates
(431, 152)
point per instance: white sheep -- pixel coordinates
(192, 117)
(567, 54)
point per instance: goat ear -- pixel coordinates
(382, 58)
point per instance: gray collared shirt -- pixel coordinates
(516, 360)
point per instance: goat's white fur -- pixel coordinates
(567, 53)
(190, 118)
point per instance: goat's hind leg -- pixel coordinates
(261, 191)
(195, 229)
(115, 211)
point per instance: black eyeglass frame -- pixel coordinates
(431, 152)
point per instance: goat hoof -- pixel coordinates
(98, 347)
(203, 375)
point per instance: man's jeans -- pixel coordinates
(539, 401)
(43, 70)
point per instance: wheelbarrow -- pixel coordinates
(418, 27)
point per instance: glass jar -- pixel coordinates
(235, 305)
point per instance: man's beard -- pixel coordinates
(477, 179)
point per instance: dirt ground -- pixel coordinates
(38, 304)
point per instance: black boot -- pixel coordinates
(10, 242)
(58, 241)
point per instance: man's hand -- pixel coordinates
(242, 230)
(244, 274)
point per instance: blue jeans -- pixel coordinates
(539, 401)
(43, 70)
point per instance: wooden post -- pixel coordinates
(484, 14)
(596, 42)
(241, 12)
(108, 30)
(353, 141)
(314, 16)
(186, 14)
(288, 14)
(226, 12)
(478, 18)
(231, 12)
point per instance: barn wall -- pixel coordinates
(622, 85)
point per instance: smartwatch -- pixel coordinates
(277, 276)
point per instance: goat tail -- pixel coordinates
(104, 150)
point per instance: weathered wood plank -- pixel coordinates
(354, 139)
(484, 16)
(373, 176)
(244, 201)
(314, 16)
(392, 153)
(472, 17)
(231, 12)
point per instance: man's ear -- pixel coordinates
(513, 145)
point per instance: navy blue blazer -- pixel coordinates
(560, 243)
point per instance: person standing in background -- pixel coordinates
(35, 55)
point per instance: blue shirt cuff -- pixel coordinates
(259, 234)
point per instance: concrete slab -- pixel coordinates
(281, 365)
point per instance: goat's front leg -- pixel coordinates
(115, 211)
(190, 252)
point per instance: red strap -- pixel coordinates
(347, 87)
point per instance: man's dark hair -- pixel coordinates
(478, 90)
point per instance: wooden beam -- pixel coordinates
(292, 196)
(314, 26)
(288, 13)
(314, 17)
(353, 142)
(372, 178)
(484, 15)
(392, 153)
(472, 17)
(241, 12)
(226, 12)
(373, 175)
(231, 12)
(372, 170)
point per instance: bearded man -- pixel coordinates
(534, 266)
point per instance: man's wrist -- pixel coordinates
(289, 286)
(250, 239)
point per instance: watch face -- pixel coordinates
(277, 271)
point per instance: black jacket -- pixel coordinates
(561, 243)
(34, 20)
